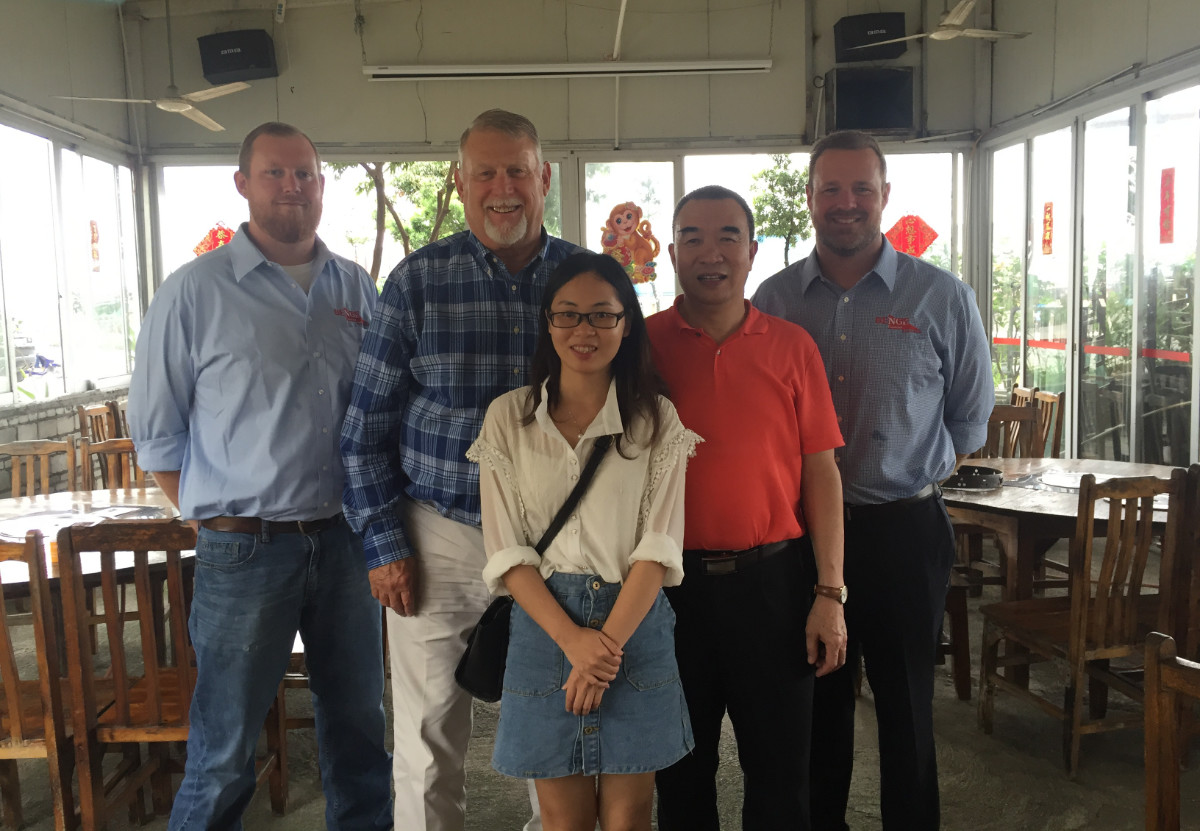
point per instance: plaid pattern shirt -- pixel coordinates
(453, 330)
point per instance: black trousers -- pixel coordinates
(898, 559)
(739, 641)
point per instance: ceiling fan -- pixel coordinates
(173, 102)
(953, 25)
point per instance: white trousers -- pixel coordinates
(431, 715)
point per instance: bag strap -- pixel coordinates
(585, 479)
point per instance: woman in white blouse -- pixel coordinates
(592, 703)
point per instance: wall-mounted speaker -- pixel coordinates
(243, 55)
(860, 30)
(875, 100)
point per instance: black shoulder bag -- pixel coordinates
(480, 671)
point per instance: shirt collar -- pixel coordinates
(755, 322)
(245, 256)
(606, 423)
(885, 268)
(488, 256)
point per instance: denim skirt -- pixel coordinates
(642, 722)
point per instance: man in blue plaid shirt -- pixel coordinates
(455, 328)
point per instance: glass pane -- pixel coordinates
(129, 262)
(29, 265)
(761, 179)
(1048, 282)
(1008, 270)
(194, 201)
(1106, 313)
(1172, 188)
(919, 216)
(95, 294)
(651, 187)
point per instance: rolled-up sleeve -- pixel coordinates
(504, 534)
(163, 382)
(661, 520)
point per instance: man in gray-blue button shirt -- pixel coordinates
(910, 371)
(243, 375)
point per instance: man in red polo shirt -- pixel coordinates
(759, 613)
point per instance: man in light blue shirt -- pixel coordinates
(910, 371)
(243, 374)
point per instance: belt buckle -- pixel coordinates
(724, 564)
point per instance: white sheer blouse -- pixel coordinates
(632, 511)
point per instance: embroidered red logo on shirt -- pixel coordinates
(900, 324)
(351, 315)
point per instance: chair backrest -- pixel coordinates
(33, 704)
(1022, 396)
(120, 422)
(1105, 601)
(117, 460)
(1187, 569)
(1168, 677)
(95, 422)
(1048, 435)
(151, 672)
(1010, 432)
(32, 469)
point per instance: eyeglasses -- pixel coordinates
(597, 320)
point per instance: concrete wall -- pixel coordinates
(1077, 43)
(64, 47)
(52, 420)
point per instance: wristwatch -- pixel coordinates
(838, 593)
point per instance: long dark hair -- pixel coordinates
(638, 382)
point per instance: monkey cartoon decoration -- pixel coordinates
(627, 238)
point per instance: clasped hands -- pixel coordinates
(595, 658)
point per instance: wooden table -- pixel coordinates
(50, 513)
(1027, 519)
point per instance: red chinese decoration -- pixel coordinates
(1048, 228)
(217, 236)
(911, 235)
(95, 245)
(1166, 209)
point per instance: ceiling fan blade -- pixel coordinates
(113, 100)
(993, 34)
(958, 15)
(893, 40)
(201, 119)
(215, 92)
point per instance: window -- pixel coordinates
(1106, 309)
(1008, 265)
(69, 274)
(1048, 276)
(651, 187)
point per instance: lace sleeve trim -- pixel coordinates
(682, 444)
(482, 452)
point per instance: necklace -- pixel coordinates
(579, 428)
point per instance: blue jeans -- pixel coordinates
(252, 594)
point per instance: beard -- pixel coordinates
(509, 235)
(846, 241)
(286, 225)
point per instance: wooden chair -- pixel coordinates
(120, 420)
(1104, 616)
(1022, 396)
(96, 422)
(32, 468)
(1169, 679)
(956, 642)
(1048, 434)
(150, 668)
(1010, 433)
(117, 460)
(33, 721)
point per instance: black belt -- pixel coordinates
(728, 562)
(254, 525)
(930, 490)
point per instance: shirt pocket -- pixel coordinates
(534, 666)
(649, 661)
